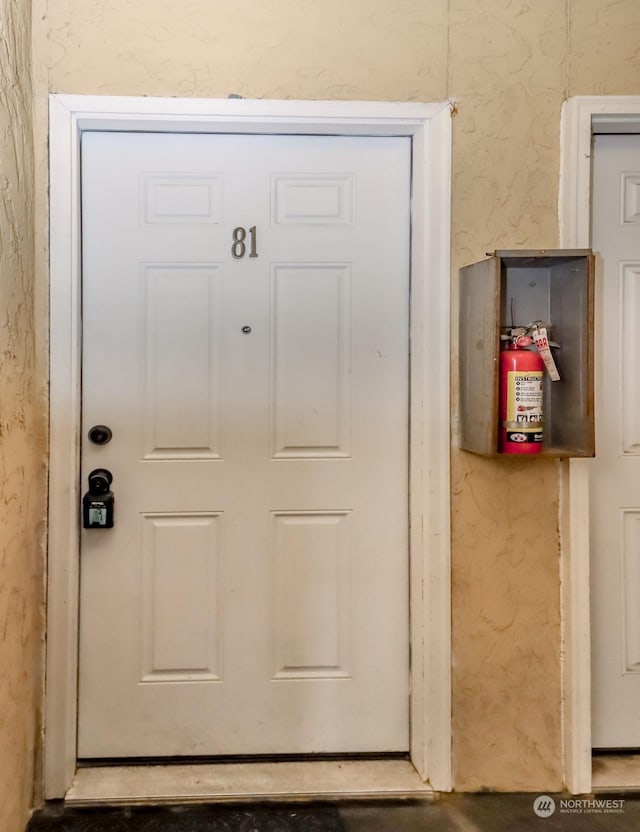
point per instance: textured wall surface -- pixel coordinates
(386, 49)
(510, 64)
(21, 430)
(510, 79)
(604, 47)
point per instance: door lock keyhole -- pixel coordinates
(100, 435)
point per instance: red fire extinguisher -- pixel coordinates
(521, 371)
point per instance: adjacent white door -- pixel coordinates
(245, 318)
(615, 472)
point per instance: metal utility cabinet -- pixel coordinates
(517, 288)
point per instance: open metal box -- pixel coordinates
(517, 288)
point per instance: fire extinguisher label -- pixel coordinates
(524, 406)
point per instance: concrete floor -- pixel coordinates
(496, 813)
(441, 813)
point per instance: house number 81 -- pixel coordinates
(239, 247)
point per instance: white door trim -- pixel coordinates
(582, 116)
(429, 125)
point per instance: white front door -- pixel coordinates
(615, 472)
(245, 319)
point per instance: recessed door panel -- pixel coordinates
(312, 562)
(181, 352)
(180, 588)
(311, 327)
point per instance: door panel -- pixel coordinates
(181, 299)
(253, 595)
(615, 473)
(311, 412)
(311, 567)
(181, 612)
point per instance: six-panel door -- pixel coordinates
(615, 473)
(245, 320)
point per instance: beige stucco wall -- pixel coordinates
(21, 431)
(510, 64)
(511, 80)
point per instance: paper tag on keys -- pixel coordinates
(542, 344)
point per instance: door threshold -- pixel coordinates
(615, 772)
(247, 781)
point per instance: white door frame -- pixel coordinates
(582, 116)
(429, 126)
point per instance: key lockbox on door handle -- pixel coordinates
(98, 502)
